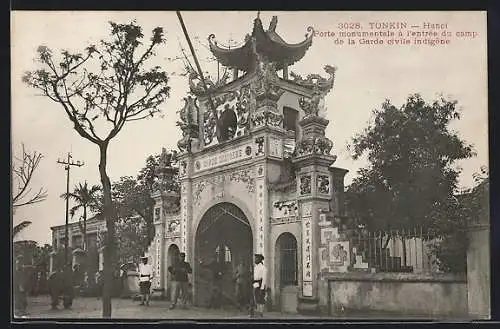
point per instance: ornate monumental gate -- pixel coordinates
(255, 173)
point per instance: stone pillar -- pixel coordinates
(186, 211)
(166, 197)
(478, 261)
(314, 181)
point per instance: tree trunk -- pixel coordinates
(85, 228)
(109, 241)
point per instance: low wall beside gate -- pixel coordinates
(434, 296)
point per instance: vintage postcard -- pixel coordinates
(250, 165)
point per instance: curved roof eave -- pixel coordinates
(238, 57)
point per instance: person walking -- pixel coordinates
(242, 282)
(259, 285)
(180, 280)
(145, 279)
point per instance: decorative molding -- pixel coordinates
(173, 226)
(285, 220)
(275, 147)
(217, 182)
(240, 101)
(267, 118)
(283, 209)
(306, 209)
(323, 184)
(259, 143)
(305, 184)
(335, 254)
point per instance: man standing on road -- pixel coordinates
(259, 284)
(145, 278)
(180, 281)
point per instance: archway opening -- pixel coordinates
(223, 236)
(286, 267)
(172, 256)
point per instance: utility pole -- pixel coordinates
(67, 165)
(202, 78)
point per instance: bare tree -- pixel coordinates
(23, 170)
(101, 90)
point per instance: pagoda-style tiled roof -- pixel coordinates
(267, 43)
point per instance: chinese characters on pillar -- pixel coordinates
(158, 259)
(260, 216)
(184, 216)
(307, 262)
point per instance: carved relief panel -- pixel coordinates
(275, 147)
(323, 184)
(232, 110)
(305, 184)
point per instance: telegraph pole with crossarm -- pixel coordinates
(67, 165)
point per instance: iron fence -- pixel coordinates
(401, 250)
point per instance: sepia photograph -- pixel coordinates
(249, 165)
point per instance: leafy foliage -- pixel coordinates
(451, 252)
(411, 177)
(132, 236)
(134, 205)
(110, 82)
(87, 199)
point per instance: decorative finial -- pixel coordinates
(258, 14)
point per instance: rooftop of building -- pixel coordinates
(260, 42)
(93, 219)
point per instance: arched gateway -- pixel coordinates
(223, 234)
(254, 175)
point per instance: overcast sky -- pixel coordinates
(366, 76)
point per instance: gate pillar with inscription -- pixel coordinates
(314, 180)
(166, 198)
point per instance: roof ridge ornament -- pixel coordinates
(316, 81)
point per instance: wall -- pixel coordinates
(443, 296)
(478, 272)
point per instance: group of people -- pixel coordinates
(180, 280)
(250, 292)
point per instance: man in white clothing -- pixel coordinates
(145, 278)
(259, 284)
